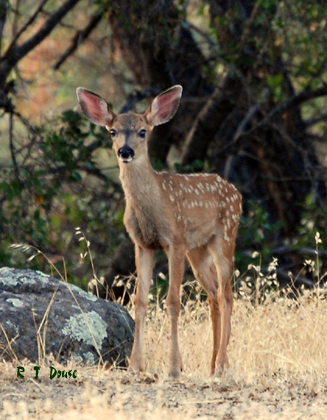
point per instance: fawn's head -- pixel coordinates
(129, 132)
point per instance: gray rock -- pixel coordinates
(40, 316)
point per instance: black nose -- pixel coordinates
(126, 153)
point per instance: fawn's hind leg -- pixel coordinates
(222, 252)
(205, 273)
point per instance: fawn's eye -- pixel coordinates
(142, 133)
(113, 132)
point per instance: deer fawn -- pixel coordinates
(186, 215)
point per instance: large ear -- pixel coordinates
(94, 107)
(164, 106)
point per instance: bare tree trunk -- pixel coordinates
(160, 52)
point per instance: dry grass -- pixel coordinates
(278, 370)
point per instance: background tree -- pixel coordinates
(253, 74)
(249, 91)
(47, 173)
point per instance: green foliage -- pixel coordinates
(255, 257)
(57, 186)
(256, 234)
(313, 220)
(275, 82)
(195, 166)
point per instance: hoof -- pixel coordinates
(175, 372)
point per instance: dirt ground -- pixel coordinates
(277, 353)
(95, 394)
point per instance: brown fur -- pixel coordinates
(186, 215)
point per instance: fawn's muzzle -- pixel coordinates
(126, 154)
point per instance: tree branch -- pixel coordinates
(313, 121)
(295, 101)
(16, 53)
(26, 25)
(137, 96)
(12, 149)
(3, 17)
(79, 38)
(210, 118)
(304, 96)
(282, 275)
(310, 252)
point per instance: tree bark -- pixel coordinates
(160, 52)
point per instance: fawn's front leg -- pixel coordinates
(144, 264)
(176, 270)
